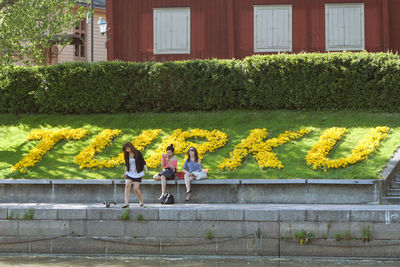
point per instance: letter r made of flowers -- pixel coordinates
(182, 142)
(48, 139)
(261, 150)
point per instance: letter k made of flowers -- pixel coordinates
(261, 150)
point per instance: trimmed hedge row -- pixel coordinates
(315, 81)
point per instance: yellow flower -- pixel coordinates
(48, 139)
(262, 150)
(215, 139)
(86, 158)
(317, 155)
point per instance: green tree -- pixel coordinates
(28, 27)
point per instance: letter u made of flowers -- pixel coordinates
(261, 150)
(86, 158)
(215, 139)
(317, 155)
(48, 139)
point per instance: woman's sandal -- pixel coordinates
(141, 205)
(125, 206)
(188, 195)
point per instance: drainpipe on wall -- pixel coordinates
(91, 31)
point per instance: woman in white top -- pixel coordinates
(134, 166)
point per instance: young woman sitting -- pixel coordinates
(192, 170)
(169, 165)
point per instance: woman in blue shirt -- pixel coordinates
(192, 170)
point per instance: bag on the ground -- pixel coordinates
(167, 199)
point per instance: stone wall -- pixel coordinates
(287, 191)
(202, 229)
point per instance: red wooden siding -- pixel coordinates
(224, 28)
(394, 25)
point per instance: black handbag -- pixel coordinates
(167, 199)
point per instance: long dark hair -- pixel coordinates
(133, 149)
(196, 155)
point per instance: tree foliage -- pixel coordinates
(28, 27)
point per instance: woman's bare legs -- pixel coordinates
(163, 184)
(163, 180)
(138, 193)
(128, 185)
(188, 178)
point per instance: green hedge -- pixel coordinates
(315, 81)
(324, 81)
(17, 89)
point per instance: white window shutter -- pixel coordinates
(282, 31)
(171, 30)
(335, 27)
(352, 17)
(179, 31)
(344, 27)
(272, 28)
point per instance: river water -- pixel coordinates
(63, 261)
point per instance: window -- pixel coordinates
(272, 28)
(344, 27)
(79, 49)
(171, 30)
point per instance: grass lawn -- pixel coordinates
(59, 162)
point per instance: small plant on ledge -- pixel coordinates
(125, 215)
(304, 237)
(209, 234)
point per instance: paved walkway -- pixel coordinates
(322, 207)
(210, 212)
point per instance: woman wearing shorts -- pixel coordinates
(169, 164)
(134, 166)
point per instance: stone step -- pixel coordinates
(397, 178)
(391, 200)
(393, 192)
(395, 185)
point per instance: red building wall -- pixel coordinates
(394, 25)
(224, 28)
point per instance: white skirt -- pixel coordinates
(200, 175)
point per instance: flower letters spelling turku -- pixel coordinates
(255, 144)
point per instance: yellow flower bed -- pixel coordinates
(86, 158)
(215, 139)
(317, 155)
(48, 139)
(254, 144)
(262, 150)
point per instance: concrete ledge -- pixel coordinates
(181, 181)
(273, 181)
(286, 191)
(82, 182)
(25, 181)
(342, 181)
